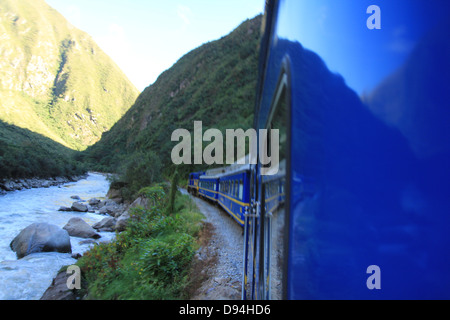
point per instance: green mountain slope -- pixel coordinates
(214, 83)
(54, 80)
(25, 154)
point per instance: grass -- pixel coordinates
(152, 258)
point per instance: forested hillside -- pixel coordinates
(214, 83)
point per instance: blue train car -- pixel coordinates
(234, 193)
(208, 187)
(194, 179)
(360, 92)
(274, 195)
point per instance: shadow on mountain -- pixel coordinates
(26, 154)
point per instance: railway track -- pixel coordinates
(224, 252)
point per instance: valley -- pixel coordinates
(66, 109)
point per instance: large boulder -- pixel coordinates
(122, 222)
(59, 290)
(94, 202)
(141, 202)
(108, 224)
(111, 208)
(41, 237)
(77, 227)
(79, 207)
(115, 195)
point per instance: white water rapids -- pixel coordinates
(29, 277)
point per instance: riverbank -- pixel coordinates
(151, 259)
(215, 272)
(7, 185)
(29, 277)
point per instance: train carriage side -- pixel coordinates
(363, 116)
(194, 179)
(234, 194)
(274, 191)
(209, 187)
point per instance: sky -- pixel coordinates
(146, 37)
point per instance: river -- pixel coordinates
(29, 277)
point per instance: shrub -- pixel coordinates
(149, 260)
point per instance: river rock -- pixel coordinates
(41, 237)
(115, 195)
(58, 290)
(122, 222)
(10, 186)
(111, 208)
(141, 202)
(79, 207)
(94, 202)
(77, 227)
(106, 225)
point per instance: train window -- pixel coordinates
(241, 190)
(237, 188)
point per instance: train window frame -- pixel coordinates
(283, 94)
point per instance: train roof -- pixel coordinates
(225, 171)
(228, 170)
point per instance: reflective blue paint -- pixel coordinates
(370, 146)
